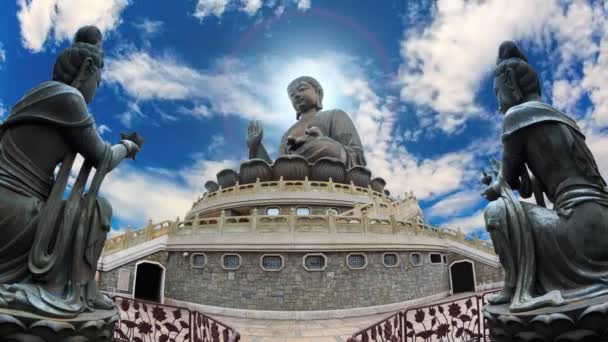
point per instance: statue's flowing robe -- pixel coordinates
(338, 126)
(50, 247)
(560, 255)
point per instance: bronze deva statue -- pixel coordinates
(552, 256)
(316, 134)
(50, 246)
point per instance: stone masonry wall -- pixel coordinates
(294, 288)
(109, 280)
(484, 273)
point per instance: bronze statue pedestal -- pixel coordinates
(22, 326)
(583, 321)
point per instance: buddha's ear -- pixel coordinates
(517, 94)
(86, 70)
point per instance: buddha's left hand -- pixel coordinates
(319, 147)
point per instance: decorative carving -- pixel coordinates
(255, 169)
(359, 175)
(211, 186)
(290, 167)
(378, 184)
(328, 168)
(582, 321)
(227, 178)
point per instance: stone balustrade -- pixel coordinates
(286, 224)
(379, 203)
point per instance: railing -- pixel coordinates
(147, 321)
(291, 223)
(454, 321)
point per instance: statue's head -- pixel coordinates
(80, 65)
(515, 80)
(305, 92)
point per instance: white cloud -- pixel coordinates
(255, 89)
(2, 55)
(139, 194)
(446, 57)
(37, 18)
(206, 8)
(455, 204)
(2, 109)
(217, 8)
(103, 129)
(149, 27)
(467, 223)
(303, 5)
(251, 7)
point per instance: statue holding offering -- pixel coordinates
(316, 134)
(552, 257)
(50, 246)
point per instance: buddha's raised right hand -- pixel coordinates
(255, 133)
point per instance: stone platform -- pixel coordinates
(20, 326)
(584, 321)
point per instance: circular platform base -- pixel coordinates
(21, 326)
(584, 321)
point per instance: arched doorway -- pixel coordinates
(149, 281)
(462, 276)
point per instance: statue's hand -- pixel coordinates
(132, 142)
(492, 192)
(255, 133)
(319, 147)
(310, 134)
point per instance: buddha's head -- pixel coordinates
(515, 80)
(305, 93)
(80, 65)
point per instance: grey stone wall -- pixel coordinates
(294, 288)
(484, 273)
(109, 280)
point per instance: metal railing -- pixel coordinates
(454, 321)
(148, 321)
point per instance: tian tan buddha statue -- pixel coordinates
(551, 257)
(316, 134)
(50, 246)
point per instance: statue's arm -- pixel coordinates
(259, 152)
(90, 145)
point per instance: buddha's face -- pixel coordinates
(89, 86)
(303, 97)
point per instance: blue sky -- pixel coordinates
(415, 76)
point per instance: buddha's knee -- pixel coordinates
(495, 215)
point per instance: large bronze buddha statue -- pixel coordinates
(317, 133)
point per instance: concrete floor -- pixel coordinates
(327, 330)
